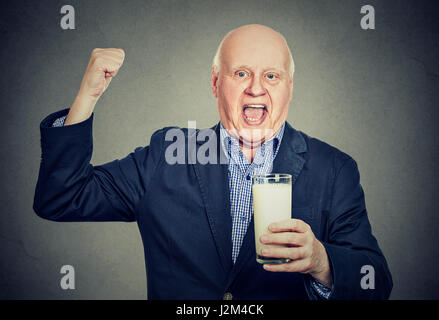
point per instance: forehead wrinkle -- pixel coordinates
(233, 44)
(253, 35)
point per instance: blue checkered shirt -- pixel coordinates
(240, 172)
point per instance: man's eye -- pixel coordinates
(271, 76)
(241, 74)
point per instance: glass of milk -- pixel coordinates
(271, 203)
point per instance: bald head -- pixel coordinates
(254, 36)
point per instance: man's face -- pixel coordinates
(253, 87)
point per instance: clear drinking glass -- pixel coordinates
(271, 203)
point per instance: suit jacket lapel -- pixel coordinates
(288, 160)
(214, 185)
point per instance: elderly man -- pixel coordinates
(195, 219)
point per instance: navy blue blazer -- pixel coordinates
(183, 214)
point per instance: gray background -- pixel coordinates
(370, 93)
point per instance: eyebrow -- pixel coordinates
(266, 69)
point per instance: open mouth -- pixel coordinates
(254, 114)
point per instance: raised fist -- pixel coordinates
(102, 67)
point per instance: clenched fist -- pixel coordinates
(102, 67)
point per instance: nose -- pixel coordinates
(256, 87)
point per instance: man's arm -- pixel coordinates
(351, 245)
(69, 188)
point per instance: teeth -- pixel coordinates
(259, 106)
(255, 106)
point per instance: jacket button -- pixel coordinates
(227, 296)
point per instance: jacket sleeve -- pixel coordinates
(350, 245)
(69, 188)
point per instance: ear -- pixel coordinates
(214, 82)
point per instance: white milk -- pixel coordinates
(271, 203)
